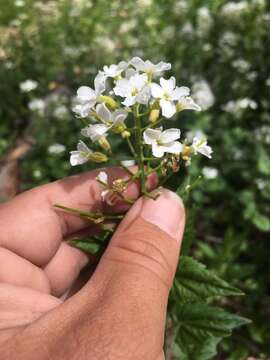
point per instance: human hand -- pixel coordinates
(120, 312)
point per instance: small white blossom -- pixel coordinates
(95, 132)
(37, 105)
(168, 93)
(98, 131)
(113, 70)
(128, 163)
(203, 94)
(102, 177)
(148, 67)
(88, 97)
(232, 9)
(81, 155)
(237, 106)
(111, 118)
(209, 172)
(134, 90)
(56, 148)
(163, 141)
(28, 85)
(199, 145)
(61, 112)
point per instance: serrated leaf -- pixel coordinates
(195, 283)
(197, 323)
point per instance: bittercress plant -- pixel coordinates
(136, 102)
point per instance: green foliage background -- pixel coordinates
(61, 45)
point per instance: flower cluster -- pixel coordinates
(135, 100)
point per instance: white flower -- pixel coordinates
(239, 105)
(209, 172)
(81, 155)
(199, 145)
(56, 149)
(61, 112)
(98, 131)
(95, 132)
(203, 94)
(163, 141)
(128, 163)
(28, 85)
(167, 92)
(88, 97)
(111, 118)
(102, 177)
(113, 70)
(148, 67)
(187, 103)
(37, 105)
(134, 90)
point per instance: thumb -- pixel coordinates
(138, 267)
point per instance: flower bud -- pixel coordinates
(109, 101)
(104, 143)
(119, 127)
(186, 152)
(154, 115)
(125, 134)
(98, 157)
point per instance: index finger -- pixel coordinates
(33, 228)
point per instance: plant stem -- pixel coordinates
(139, 146)
(131, 147)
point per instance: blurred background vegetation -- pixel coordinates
(221, 50)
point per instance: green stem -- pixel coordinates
(131, 147)
(139, 144)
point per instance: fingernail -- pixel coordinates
(167, 212)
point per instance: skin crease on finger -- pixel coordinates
(119, 314)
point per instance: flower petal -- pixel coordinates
(175, 147)
(99, 83)
(150, 136)
(170, 135)
(119, 116)
(122, 88)
(103, 177)
(97, 131)
(157, 91)
(168, 85)
(85, 93)
(157, 150)
(77, 158)
(168, 108)
(179, 92)
(138, 63)
(138, 81)
(81, 146)
(103, 112)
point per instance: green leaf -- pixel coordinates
(195, 283)
(201, 327)
(189, 235)
(261, 222)
(87, 246)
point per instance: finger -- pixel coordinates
(34, 229)
(64, 268)
(18, 271)
(138, 267)
(20, 305)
